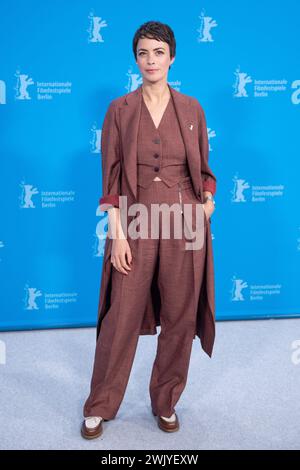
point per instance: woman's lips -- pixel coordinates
(151, 70)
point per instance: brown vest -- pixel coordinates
(160, 152)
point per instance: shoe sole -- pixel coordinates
(86, 436)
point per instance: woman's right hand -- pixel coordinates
(121, 257)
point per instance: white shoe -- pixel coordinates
(172, 418)
(93, 421)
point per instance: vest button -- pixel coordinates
(156, 155)
(156, 168)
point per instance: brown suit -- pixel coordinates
(119, 160)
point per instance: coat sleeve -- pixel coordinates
(111, 160)
(208, 178)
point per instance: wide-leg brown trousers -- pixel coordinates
(120, 328)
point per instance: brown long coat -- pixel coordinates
(119, 172)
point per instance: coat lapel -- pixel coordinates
(130, 112)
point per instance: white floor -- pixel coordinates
(245, 397)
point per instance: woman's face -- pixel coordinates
(153, 54)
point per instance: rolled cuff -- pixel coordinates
(106, 202)
(209, 185)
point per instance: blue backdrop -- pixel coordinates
(61, 65)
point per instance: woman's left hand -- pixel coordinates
(209, 208)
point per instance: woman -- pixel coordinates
(154, 152)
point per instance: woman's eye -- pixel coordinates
(159, 52)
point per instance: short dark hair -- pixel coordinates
(155, 30)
